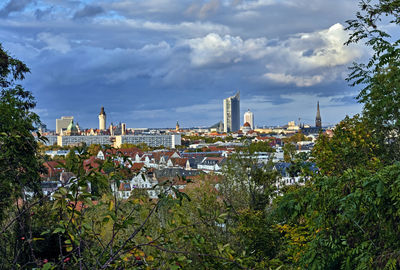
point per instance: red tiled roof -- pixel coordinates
(130, 152)
(137, 166)
(91, 163)
(180, 161)
(53, 168)
(219, 159)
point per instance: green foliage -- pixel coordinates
(260, 147)
(94, 149)
(348, 221)
(352, 146)
(344, 217)
(289, 152)
(380, 76)
(298, 137)
(247, 183)
(19, 167)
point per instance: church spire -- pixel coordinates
(318, 122)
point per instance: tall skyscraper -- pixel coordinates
(249, 118)
(63, 123)
(318, 122)
(232, 113)
(102, 119)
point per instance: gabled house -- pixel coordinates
(211, 163)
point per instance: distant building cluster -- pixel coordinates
(203, 151)
(69, 133)
(231, 120)
(152, 168)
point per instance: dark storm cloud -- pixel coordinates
(88, 11)
(14, 6)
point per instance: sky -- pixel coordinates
(152, 63)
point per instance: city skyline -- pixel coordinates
(248, 117)
(153, 62)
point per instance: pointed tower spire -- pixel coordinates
(318, 122)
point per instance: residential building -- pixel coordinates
(232, 113)
(211, 163)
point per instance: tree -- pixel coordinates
(248, 188)
(298, 137)
(352, 146)
(260, 147)
(346, 216)
(289, 151)
(94, 149)
(380, 76)
(19, 166)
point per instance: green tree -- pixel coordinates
(298, 137)
(261, 147)
(94, 149)
(289, 152)
(20, 166)
(380, 76)
(343, 222)
(351, 146)
(248, 188)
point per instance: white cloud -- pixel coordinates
(304, 59)
(331, 52)
(162, 48)
(311, 58)
(300, 81)
(223, 50)
(54, 42)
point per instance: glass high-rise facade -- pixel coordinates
(232, 113)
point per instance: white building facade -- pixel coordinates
(170, 141)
